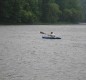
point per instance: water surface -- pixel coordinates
(24, 55)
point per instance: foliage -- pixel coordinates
(72, 15)
(83, 4)
(53, 13)
(36, 11)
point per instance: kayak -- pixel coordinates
(48, 37)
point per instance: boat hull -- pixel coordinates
(51, 37)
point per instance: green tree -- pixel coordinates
(50, 11)
(83, 4)
(72, 15)
(71, 10)
(53, 13)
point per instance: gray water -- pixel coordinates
(24, 55)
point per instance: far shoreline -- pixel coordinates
(83, 23)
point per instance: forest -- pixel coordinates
(42, 11)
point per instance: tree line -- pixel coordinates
(40, 11)
(83, 5)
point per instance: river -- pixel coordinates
(24, 55)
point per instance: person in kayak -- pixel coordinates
(48, 35)
(52, 34)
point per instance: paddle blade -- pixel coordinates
(42, 32)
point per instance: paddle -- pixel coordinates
(44, 33)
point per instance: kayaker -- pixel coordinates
(49, 35)
(52, 34)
